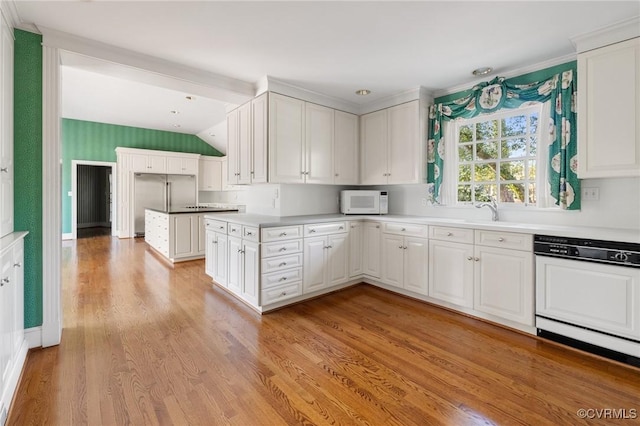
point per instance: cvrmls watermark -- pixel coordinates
(608, 413)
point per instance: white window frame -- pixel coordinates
(451, 134)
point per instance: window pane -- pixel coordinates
(532, 194)
(464, 173)
(465, 153)
(512, 193)
(485, 172)
(533, 145)
(514, 148)
(532, 170)
(466, 133)
(485, 192)
(487, 151)
(487, 130)
(513, 126)
(464, 193)
(512, 170)
(533, 121)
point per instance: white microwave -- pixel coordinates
(364, 202)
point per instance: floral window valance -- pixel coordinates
(499, 93)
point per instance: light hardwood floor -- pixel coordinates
(144, 343)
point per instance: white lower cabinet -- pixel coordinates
(244, 264)
(326, 262)
(13, 347)
(216, 256)
(404, 262)
(355, 249)
(371, 250)
(493, 276)
(281, 264)
(177, 237)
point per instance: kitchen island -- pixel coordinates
(178, 234)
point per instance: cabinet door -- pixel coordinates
(315, 272)
(139, 163)
(503, 283)
(286, 139)
(346, 161)
(233, 147)
(210, 175)
(451, 272)
(373, 134)
(338, 259)
(157, 163)
(259, 145)
(6, 298)
(609, 138)
(18, 296)
(210, 253)
(234, 254)
(174, 165)
(200, 234)
(319, 128)
(182, 243)
(371, 249)
(392, 259)
(244, 143)
(404, 144)
(416, 261)
(250, 275)
(220, 264)
(355, 249)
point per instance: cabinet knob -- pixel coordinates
(249, 233)
(403, 229)
(501, 239)
(284, 293)
(17, 265)
(449, 234)
(214, 242)
(311, 231)
(283, 264)
(342, 227)
(283, 249)
(400, 247)
(282, 279)
(4, 281)
(283, 234)
(220, 227)
(477, 259)
(405, 247)
(233, 229)
(4, 170)
(377, 226)
(337, 174)
(353, 226)
(469, 258)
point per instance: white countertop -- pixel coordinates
(10, 239)
(610, 234)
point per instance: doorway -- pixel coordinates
(93, 198)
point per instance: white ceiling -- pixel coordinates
(330, 47)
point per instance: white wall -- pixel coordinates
(618, 206)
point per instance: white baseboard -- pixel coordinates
(33, 336)
(68, 236)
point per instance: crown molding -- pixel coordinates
(165, 73)
(10, 13)
(620, 31)
(408, 95)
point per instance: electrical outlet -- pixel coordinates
(591, 193)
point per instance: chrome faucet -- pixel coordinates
(493, 206)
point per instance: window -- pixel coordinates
(497, 156)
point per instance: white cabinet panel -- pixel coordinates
(245, 130)
(250, 272)
(281, 233)
(181, 237)
(318, 146)
(373, 147)
(338, 259)
(609, 138)
(220, 264)
(280, 293)
(233, 148)
(451, 272)
(315, 271)
(234, 256)
(404, 144)
(416, 261)
(281, 248)
(210, 174)
(259, 108)
(445, 233)
(318, 229)
(272, 264)
(286, 139)
(392, 259)
(177, 165)
(356, 233)
(371, 252)
(275, 279)
(346, 164)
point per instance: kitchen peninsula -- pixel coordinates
(178, 234)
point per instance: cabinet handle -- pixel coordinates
(477, 259)
(353, 226)
(501, 239)
(283, 249)
(400, 247)
(337, 174)
(284, 293)
(282, 264)
(233, 229)
(342, 227)
(282, 279)
(405, 247)
(330, 247)
(469, 258)
(4, 170)
(249, 233)
(253, 173)
(220, 227)
(4, 281)
(17, 265)
(283, 234)
(214, 242)
(403, 229)
(377, 226)
(449, 234)
(311, 231)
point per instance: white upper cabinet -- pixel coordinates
(346, 168)
(182, 166)
(391, 146)
(318, 144)
(148, 163)
(210, 174)
(608, 111)
(247, 143)
(286, 139)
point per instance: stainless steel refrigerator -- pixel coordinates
(163, 192)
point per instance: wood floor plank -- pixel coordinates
(147, 343)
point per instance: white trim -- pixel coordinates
(10, 14)
(611, 34)
(33, 337)
(156, 71)
(68, 236)
(74, 191)
(51, 198)
(508, 74)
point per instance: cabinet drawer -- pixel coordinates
(234, 229)
(508, 240)
(279, 263)
(216, 225)
(281, 292)
(277, 278)
(407, 229)
(445, 233)
(281, 247)
(250, 233)
(324, 228)
(281, 233)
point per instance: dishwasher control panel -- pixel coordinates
(614, 252)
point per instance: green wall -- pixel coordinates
(86, 140)
(28, 166)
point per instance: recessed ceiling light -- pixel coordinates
(482, 71)
(176, 125)
(363, 92)
(174, 111)
(190, 98)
